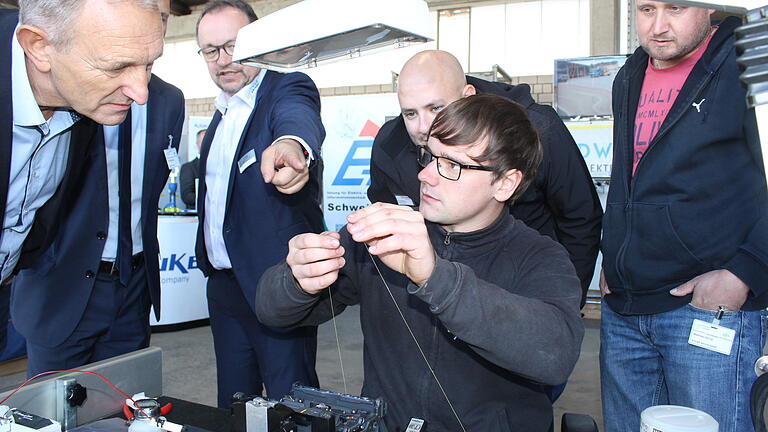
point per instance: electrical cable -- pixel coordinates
(338, 343)
(75, 371)
(413, 336)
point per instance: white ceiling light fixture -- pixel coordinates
(317, 31)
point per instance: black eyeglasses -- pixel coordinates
(211, 54)
(447, 168)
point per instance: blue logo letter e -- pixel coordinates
(350, 161)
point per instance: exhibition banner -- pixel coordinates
(196, 124)
(182, 284)
(351, 123)
(595, 141)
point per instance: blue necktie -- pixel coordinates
(124, 241)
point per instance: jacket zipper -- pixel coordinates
(627, 163)
(629, 188)
(432, 350)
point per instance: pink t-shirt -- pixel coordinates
(660, 89)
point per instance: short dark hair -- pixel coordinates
(513, 143)
(215, 5)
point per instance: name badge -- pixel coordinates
(172, 158)
(403, 200)
(171, 155)
(711, 336)
(247, 160)
(415, 425)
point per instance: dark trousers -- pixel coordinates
(250, 355)
(5, 314)
(115, 322)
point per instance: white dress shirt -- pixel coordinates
(38, 160)
(235, 112)
(138, 149)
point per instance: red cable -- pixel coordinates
(71, 371)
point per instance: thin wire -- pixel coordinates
(338, 343)
(424, 356)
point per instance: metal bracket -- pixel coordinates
(66, 414)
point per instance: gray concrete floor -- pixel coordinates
(189, 365)
(189, 370)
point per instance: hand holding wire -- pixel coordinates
(398, 236)
(315, 260)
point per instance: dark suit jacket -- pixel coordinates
(189, 173)
(44, 228)
(49, 298)
(561, 202)
(259, 220)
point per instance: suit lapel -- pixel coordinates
(152, 147)
(8, 22)
(266, 86)
(205, 148)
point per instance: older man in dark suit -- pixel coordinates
(59, 65)
(87, 297)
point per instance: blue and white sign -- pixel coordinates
(595, 141)
(182, 284)
(351, 123)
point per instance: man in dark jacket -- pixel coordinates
(685, 227)
(493, 304)
(189, 175)
(561, 202)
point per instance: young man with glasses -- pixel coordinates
(248, 210)
(493, 304)
(561, 202)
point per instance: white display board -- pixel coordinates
(595, 141)
(351, 123)
(196, 123)
(182, 284)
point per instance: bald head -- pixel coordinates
(432, 68)
(428, 82)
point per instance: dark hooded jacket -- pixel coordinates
(697, 201)
(561, 202)
(498, 320)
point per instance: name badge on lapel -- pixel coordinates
(247, 160)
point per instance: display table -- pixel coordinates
(182, 284)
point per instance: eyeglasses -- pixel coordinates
(211, 54)
(447, 168)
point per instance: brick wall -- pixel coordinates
(200, 107)
(541, 90)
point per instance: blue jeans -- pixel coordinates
(646, 360)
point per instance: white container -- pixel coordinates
(672, 418)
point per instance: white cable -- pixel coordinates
(429, 366)
(338, 344)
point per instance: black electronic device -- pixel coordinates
(308, 409)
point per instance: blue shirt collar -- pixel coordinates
(26, 112)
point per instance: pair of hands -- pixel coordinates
(283, 164)
(710, 290)
(396, 234)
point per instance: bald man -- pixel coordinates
(561, 202)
